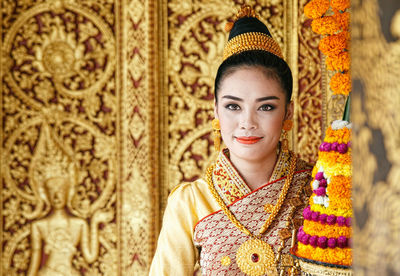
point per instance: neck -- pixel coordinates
(255, 172)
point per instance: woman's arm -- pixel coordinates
(176, 253)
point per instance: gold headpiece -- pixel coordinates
(249, 40)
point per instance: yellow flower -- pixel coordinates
(339, 187)
(340, 62)
(342, 19)
(340, 256)
(340, 5)
(316, 8)
(316, 228)
(341, 84)
(334, 44)
(326, 25)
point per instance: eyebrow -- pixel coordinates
(257, 100)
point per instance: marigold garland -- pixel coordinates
(341, 84)
(340, 4)
(316, 8)
(341, 135)
(340, 203)
(340, 62)
(331, 204)
(314, 228)
(339, 187)
(338, 169)
(335, 212)
(340, 256)
(342, 19)
(334, 44)
(332, 158)
(326, 25)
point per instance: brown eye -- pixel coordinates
(232, 107)
(266, 107)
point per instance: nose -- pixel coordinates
(247, 120)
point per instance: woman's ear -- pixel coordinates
(289, 111)
(215, 110)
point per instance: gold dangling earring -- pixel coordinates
(217, 134)
(287, 126)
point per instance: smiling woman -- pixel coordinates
(240, 218)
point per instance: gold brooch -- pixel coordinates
(255, 257)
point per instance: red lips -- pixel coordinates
(248, 140)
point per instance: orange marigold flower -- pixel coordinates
(316, 228)
(326, 25)
(316, 8)
(340, 4)
(340, 135)
(329, 211)
(339, 187)
(334, 44)
(340, 62)
(342, 19)
(340, 203)
(341, 84)
(340, 256)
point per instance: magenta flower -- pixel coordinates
(342, 242)
(331, 219)
(341, 221)
(322, 183)
(313, 240)
(314, 216)
(332, 243)
(322, 218)
(319, 176)
(321, 191)
(322, 242)
(342, 148)
(307, 213)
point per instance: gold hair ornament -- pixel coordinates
(250, 40)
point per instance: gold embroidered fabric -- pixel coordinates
(218, 239)
(231, 186)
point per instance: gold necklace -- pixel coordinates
(254, 257)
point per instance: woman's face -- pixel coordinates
(251, 109)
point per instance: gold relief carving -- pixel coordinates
(140, 135)
(375, 102)
(310, 101)
(58, 135)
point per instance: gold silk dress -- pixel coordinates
(196, 231)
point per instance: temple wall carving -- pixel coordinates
(106, 106)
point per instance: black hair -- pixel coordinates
(272, 65)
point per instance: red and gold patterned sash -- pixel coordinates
(231, 186)
(218, 239)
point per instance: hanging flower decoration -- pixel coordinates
(336, 38)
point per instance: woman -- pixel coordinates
(239, 219)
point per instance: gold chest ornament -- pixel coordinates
(255, 257)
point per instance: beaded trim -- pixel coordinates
(252, 41)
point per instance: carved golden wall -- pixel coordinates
(375, 113)
(108, 104)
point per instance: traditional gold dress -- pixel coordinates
(196, 230)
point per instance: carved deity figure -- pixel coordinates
(62, 233)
